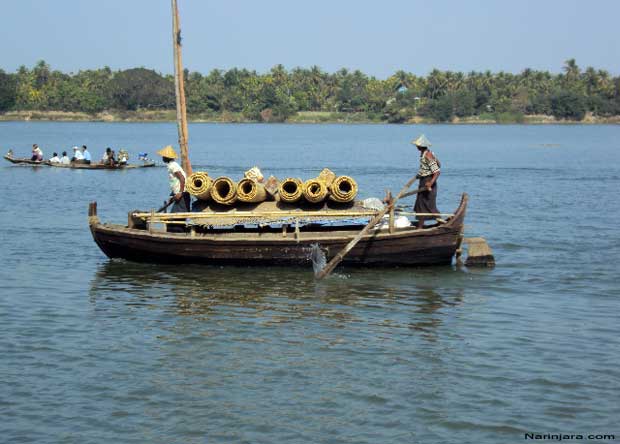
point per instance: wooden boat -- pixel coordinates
(25, 161)
(267, 245)
(101, 166)
(78, 166)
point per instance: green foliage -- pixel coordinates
(566, 104)
(141, 88)
(440, 109)
(8, 91)
(280, 94)
(509, 117)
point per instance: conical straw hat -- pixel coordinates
(168, 152)
(422, 141)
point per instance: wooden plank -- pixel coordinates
(254, 214)
(478, 253)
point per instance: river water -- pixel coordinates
(100, 351)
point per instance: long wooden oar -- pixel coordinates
(340, 256)
(166, 205)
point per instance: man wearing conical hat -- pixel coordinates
(426, 201)
(176, 178)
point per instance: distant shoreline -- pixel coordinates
(300, 118)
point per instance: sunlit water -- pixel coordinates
(100, 351)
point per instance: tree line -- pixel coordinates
(280, 93)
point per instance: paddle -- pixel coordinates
(340, 256)
(166, 205)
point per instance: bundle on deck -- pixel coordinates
(254, 174)
(291, 190)
(250, 191)
(327, 176)
(271, 186)
(343, 189)
(199, 185)
(315, 190)
(224, 191)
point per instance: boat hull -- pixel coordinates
(24, 161)
(405, 246)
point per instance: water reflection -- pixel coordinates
(401, 298)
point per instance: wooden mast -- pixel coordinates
(180, 90)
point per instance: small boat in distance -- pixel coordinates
(78, 166)
(102, 166)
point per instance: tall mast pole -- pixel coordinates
(180, 89)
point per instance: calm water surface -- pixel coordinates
(100, 351)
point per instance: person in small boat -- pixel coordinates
(86, 154)
(78, 157)
(37, 154)
(108, 157)
(123, 157)
(426, 201)
(64, 160)
(176, 178)
(55, 158)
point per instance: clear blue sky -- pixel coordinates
(377, 37)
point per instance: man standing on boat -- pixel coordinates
(426, 201)
(176, 177)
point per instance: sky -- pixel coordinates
(376, 37)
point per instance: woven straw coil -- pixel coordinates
(343, 189)
(199, 185)
(249, 190)
(315, 190)
(290, 189)
(224, 190)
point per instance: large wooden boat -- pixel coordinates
(202, 243)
